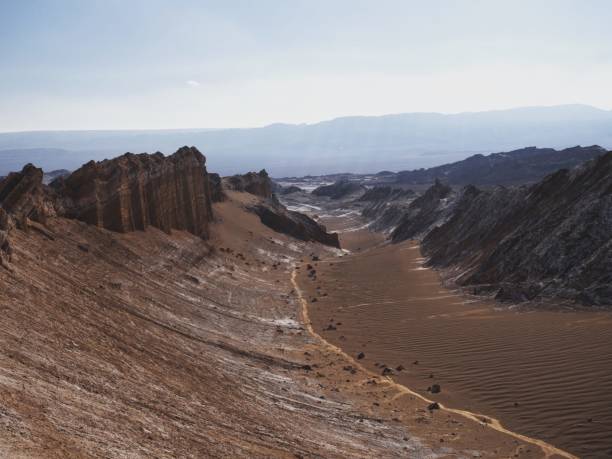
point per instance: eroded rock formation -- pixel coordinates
(134, 191)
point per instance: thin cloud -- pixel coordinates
(193, 83)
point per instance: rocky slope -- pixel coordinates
(295, 224)
(385, 193)
(158, 344)
(385, 206)
(551, 239)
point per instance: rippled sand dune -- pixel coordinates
(547, 375)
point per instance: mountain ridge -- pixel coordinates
(356, 144)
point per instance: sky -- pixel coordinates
(154, 64)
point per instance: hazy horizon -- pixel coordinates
(70, 65)
(316, 122)
(351, 144)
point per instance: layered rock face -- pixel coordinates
(274, 215)
(552, 239)
(135, 191)
(258, 183)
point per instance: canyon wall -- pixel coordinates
(551, 239)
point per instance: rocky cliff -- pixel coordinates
(551, 239)
(135, 191)
(124, 194)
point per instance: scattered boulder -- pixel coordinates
(434, 389)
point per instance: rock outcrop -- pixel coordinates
(274, 215)
(23, 195)
(340, 189)
(257, 183)
(135, 191)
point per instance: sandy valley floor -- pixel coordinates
(547, 375)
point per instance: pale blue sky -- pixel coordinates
(121, 64)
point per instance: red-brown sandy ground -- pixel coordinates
(150, 344)
(543, 374)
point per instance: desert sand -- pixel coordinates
(543, 374)
(149, 344)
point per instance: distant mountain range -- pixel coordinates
(351, 144)
(512, 168)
